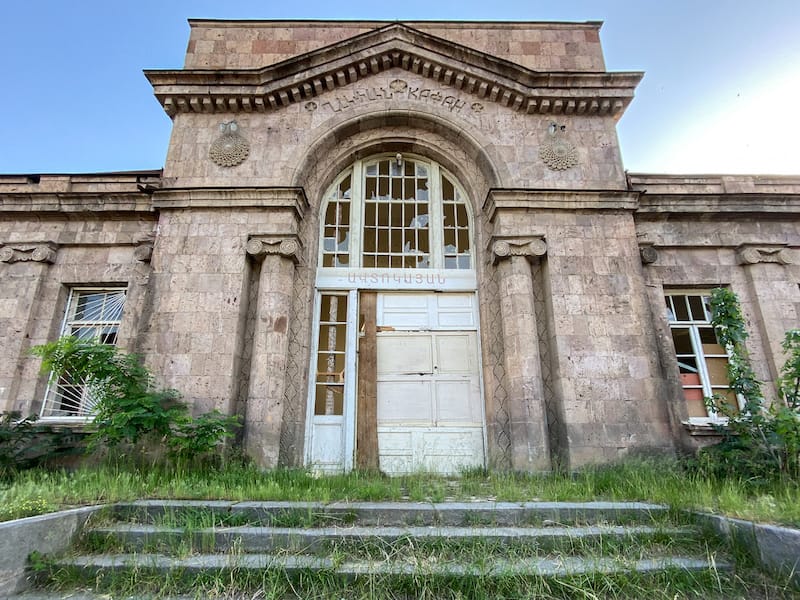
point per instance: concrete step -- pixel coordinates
(399, 513)
(316, 540)
(91, 565)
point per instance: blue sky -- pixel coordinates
(720, 93)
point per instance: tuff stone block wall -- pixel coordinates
(253, 44)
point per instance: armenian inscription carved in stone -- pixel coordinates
(400, 90)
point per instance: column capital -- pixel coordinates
(288, 246)
(44, 252)
(750, 254)
(529, 246)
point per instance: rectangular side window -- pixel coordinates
(702, 361)
(91, 314)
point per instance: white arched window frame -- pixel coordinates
(388, 214)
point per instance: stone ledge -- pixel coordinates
(47, 534)
(775, 548)
(278, 198)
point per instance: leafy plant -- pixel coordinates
(16, 437)
(24, 443)
(759, 443)
(129, 409)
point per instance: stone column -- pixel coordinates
(265, 396)
(526, 402)
(775, 295)
(19, 288)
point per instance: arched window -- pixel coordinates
(394, 212)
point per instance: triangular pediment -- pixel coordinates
(307, 76)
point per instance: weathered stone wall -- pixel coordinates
(86, 250)
(282, 140)
(249, 45)
(605, 377)
(705, 235)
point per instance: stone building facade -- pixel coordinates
(407, 245)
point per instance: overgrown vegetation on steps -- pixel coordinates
(656, 480)
(667, 585)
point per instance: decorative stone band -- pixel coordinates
(530, 248)
(648, 253)
(36, 252)
(306, 78)
(259, 246)
(750, 255)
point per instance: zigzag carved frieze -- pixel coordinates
(547, 93)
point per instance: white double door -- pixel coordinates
(430, 414)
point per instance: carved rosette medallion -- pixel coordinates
(398, 85)
(229, 149)
(530, 248)
(558, 153)
(260, 246)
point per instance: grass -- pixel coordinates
(661, 481)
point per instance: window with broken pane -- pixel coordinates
(702, 361)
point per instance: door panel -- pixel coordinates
(405, 354)
(428, 384)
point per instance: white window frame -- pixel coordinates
(336, 277)
(67, 324)
(694, 326)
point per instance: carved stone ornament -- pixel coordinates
(143, 251)
(558, 153)
(527, 247)
(750, 255)
(261, 246)
(39, 252)
(648, 254)
(230, 148)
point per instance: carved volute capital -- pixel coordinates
(44, 252)
(143, 251)
(648, 253)
(750, 254)
(259, 246)
(529, 247)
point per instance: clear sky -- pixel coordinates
(720, 93)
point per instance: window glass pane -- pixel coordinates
(681, 310)
(696, 306)
(709, 341)
(682, 340)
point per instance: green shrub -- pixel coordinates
(130, 411)
(25, 444)
(758, 443)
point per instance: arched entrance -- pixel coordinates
(395, 369)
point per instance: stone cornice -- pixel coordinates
(511, 199)
(781, 204)
(305, 77)
(76, 202)
(284, 197)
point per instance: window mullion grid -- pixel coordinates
(435, 224)
(357, 203)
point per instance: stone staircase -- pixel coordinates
(396, 545)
